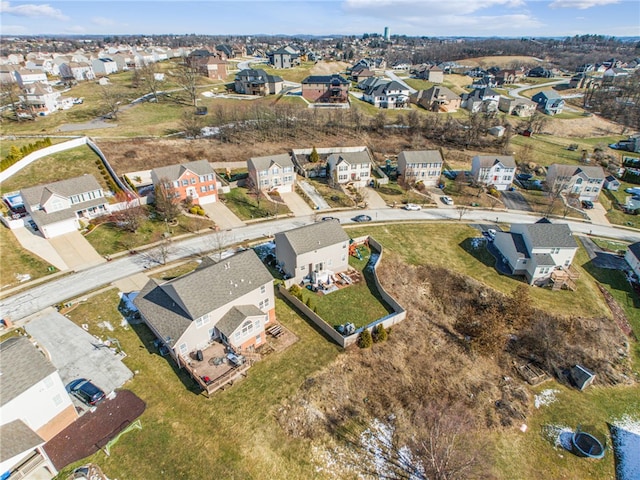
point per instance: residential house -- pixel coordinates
(32, 390)
(25, 76)
(510, 76)
(481, 100)
(495, 171)
(124, 61)
(7, 74)
(487, 81)
(420, 166)
(313, 253)
(225, 50)
(45, 64)
(537, 250)
(522, 107)
(539, 72)
(437, 99)
(350, 167)
(549, 101)
(326, 89)
(230, 301)
(104, 66)
(274, 172)
(57, 208)
(371, 82)
(78, 71)
(632, 256)
(215, 68)
(612, 75)
(360, 73)
(22, 454)
(585, 183)
(611, 183)
(284, 57)
(40, 99)
(431, 73)
(257, 82)
(195, 180)
(390, 94)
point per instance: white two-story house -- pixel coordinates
(350, 168)
(585, 183)
(40, 99)
(537, 250)
(495, 171)
(313, 252)
(104, 66)
(230, 301)
(57, 207)
(273, 172)
(420, 166)
(387, 95)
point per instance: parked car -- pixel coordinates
(33, 225)
(491, 234)
(447, 200)
(362, 218)
(412, 206)
(587, 204)
(326, 219)
(86, 391)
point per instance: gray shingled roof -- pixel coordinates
(172, 306)
(173, 172)
(16, 438)
(491, 160)
(422, 156)
(544, 260)
(260, 73)
(325, 79)
(352, 158)
(549, 235)
(435, 92)
(263, 163)
(65, 188)
(635, 249)
(235, 317)
(312, 237)
(563, 170)
(22, 366)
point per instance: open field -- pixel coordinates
(14, 260)
(506, 61)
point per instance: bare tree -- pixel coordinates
(191, 125)
(462, 211)
(10, 91)
(187, 78)
(130, 218)
(149, 79)
(254, 189)
(166, 200)
(110, 100)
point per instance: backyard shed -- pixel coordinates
(581, 377)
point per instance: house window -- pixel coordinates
(202, 320)
(194, 180)
(263, 289)
(258, 339)
(48, 383)
(210, 177)
(185, 182)
(212, 333)
(212, 188)
(266, 302)
(57, 400)
(247, 327)
(183, 348)
(276, 170)
(256, 324)
(203, 188)
(343, 258)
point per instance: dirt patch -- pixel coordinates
(503, 62)
(94, 429)
(327, 68)
(583, 127)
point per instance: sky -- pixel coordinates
(482, 18)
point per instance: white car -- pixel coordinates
(447, 200)
(412, 206)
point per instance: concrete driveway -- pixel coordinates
(600, 258)
(313, 194)
(373, 199)
(224, 218)
(76, 353)
(515, 201)
(39, 246)
(598, 214)
(296, 204)
(76, 251)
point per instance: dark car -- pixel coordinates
(327, 219)
(86, 391)
(362, 218)
(587, 204)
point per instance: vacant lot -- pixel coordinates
(506, 61)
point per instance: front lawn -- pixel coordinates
(15, 261)
(393, 194)
(244, 204)
(336, 198)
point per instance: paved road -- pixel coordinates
(515, 93)
(393, 76)
(74, 285)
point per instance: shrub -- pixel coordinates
(308, 303)
(379, 334)
(365, 340)
(296, 291)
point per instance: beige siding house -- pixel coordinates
(230, 301)
(350, 167)
(420, 166)
(313, 252)
(583, 182)
(274, 172)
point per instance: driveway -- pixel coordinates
(76, 353)
(515, 201)
(598, 214)
(393, 76)
(39, 246)
(296, 204)
(313, 194)
(600, 258)
(76, 251)
(222, 216)
(373, 198)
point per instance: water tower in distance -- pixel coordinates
(387, 34)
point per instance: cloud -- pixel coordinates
(31, 10)
(581, 4)
(431, 7)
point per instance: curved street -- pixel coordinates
(31, 301)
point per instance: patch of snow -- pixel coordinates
(106, 325)
(560, 435)
(626, 444)
(546, 397)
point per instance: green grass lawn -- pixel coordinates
(295, 74)
(393, 193)
(334, 197)
(359, 303)
(245, 206)
(15, 260)
(59, 166)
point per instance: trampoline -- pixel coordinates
(586, 445)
